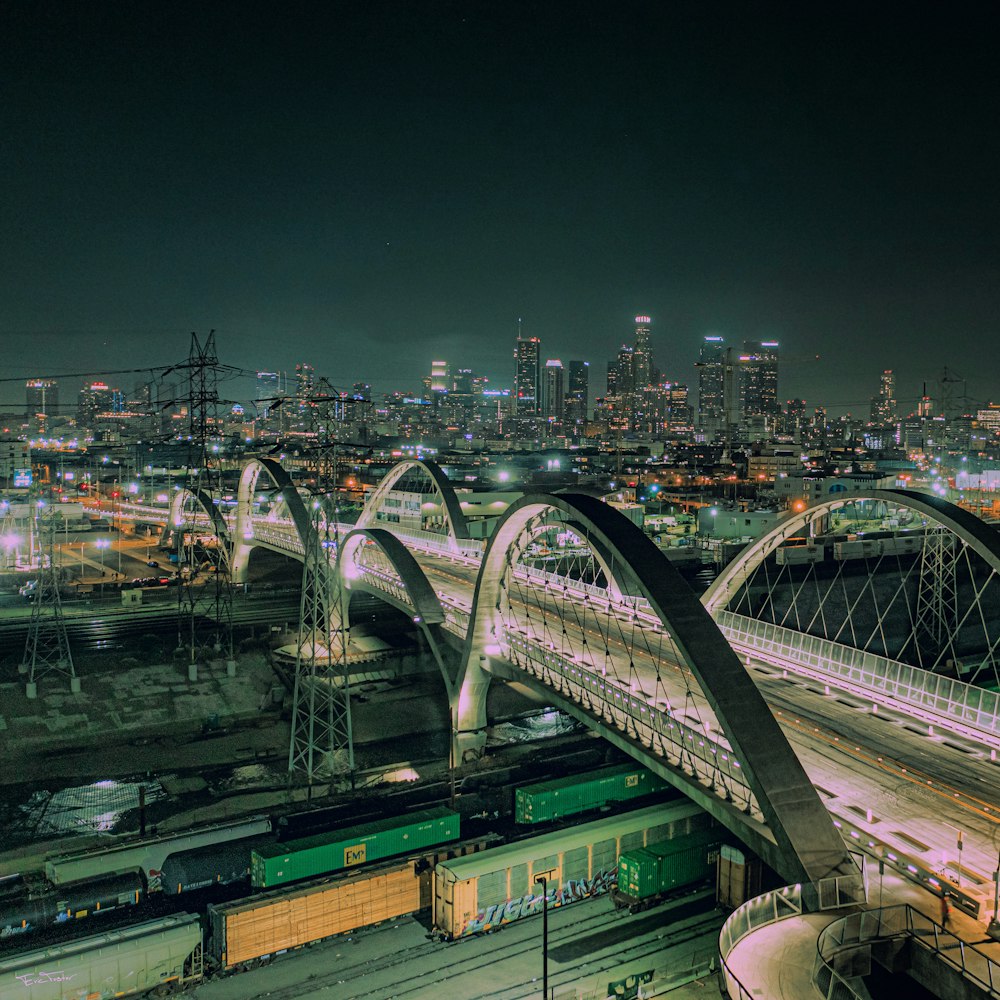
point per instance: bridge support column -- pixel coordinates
(241, 563)
(468, 713)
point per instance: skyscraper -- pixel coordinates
(642, 353)
(94, 398)
(759, 378)
(42, 397)
(578, 392)
(883, 411)
(553, 391)
(305, 380)
(268, 385)
(440, 376)
(527, 376)
(712, 385)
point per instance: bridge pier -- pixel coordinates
(468, 712)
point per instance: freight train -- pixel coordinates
(88, 883)
(474, 886)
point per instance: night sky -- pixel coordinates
(369, 186)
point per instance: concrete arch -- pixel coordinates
(177, 520)
(243, 534)
(806, 839)
(458, 527)
(423, 603)
(983, 539)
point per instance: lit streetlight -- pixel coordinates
(102, 544)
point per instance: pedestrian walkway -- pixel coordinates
(777, 960)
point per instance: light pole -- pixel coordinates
(994, 926)
(543, 880)
(102, 544)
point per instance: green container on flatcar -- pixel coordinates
(669, 864)
(549, 800)
(348, 847)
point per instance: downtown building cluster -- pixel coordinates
(727, 422)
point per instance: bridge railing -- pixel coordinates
(470, 548)
(832, 893)
(953, 701)
(841, 941)
(711, 761)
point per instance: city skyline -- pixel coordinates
(18, 391)
(373, 188)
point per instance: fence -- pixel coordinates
(844, 949)
(792, 901)
(961, 705)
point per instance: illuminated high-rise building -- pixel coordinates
(578, 392)
(883, 411)
(712, 385)
(305, 380)
(553, 392)
(759, 378)
(95, 398)
(527, 375)
(42, 397)
(440, 377)
(269, 385)
(642, 354)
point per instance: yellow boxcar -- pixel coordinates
(499, 885)
(274, 922)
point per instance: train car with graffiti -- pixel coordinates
(27, 912)
(162, 955)
(488, 890)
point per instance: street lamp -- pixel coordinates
(543, 880)
(102, 544)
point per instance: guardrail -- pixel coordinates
(710, 760)
(832, 893)
(956, 703)
(840, 942)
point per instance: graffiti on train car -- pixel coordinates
(40, 978)
(531, 903)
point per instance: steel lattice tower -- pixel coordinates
(205, 607)
(46, 649)
(322, 739)
(937, 593)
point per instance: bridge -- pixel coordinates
(606, 629)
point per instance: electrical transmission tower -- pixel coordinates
(205, 594)
(322, 740)
(937, 612)
(47, 647)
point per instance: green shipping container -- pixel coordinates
(276, 864)
(667, 865)
(548, 800)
